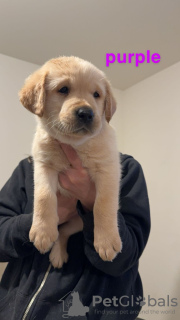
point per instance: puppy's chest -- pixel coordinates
(50, 154)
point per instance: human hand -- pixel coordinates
(66, 208)
(77, 180)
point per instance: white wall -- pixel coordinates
(16, 123)
(147, 124)
(151, 131)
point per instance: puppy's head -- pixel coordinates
(71, 97)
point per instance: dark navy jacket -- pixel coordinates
(32, 289)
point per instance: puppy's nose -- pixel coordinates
(85, 114)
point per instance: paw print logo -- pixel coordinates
(140, 301)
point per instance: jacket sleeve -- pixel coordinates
(14, 224)
(133, 221)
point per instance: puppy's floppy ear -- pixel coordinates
(110, 102)
(33, 94)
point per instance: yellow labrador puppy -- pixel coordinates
(73, 103)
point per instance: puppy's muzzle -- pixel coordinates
(85, 115)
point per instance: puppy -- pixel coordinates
(73, 102)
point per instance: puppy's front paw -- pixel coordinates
(43, 236)
(58, 255)
(107, 245)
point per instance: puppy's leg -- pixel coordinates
(44, 231)
(59, 254)
(107, 240)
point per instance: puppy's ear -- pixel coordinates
(33, 94)
(110, 102)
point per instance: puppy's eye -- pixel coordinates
(96, 94)
(64, 90)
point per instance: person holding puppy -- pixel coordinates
(32, 289)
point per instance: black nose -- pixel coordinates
(85, 114)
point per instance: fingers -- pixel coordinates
(64, 181)
(71, 156)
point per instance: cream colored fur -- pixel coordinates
(95, 145)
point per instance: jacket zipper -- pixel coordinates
(36, 293)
